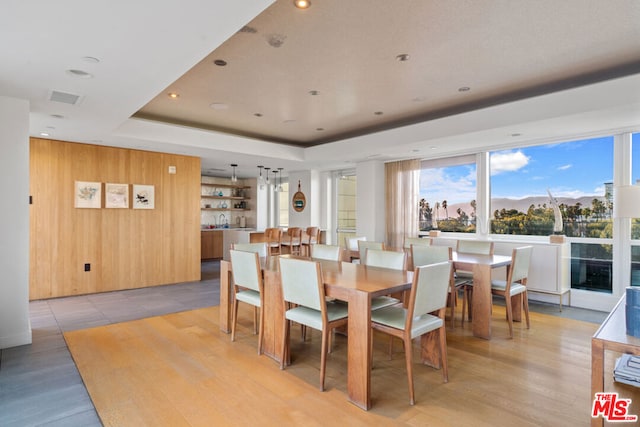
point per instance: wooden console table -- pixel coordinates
(612, 335)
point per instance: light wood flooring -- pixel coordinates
(179, 369)
(542, 376)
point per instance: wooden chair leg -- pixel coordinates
(261, 331)
(255, 320)
(234, 319)
(323, 356)
(452, 303)
(525, 303)
(443, 354)
(408, 350)
(285, 347)
(509, 315)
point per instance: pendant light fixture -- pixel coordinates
(275, 180)
(261, 178)
(267, 176)
(280, 185)
(234, 178)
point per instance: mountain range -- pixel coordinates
(521, 205)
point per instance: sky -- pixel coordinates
(572, 169)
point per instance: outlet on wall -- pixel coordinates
(87, 267)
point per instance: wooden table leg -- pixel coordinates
(481, 301)
(597, 375)
(225, 296)
(359, 350)
(273, 315)
(516, 307)
(430, 349)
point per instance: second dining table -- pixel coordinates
(482, 266)
(354, 283)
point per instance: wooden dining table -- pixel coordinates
(482, 266)
(354, 283)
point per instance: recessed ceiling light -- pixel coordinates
(415, 150)
(219, 106)
(516, 134)
(57, 116)
(314, 92)
(464, 89)
(319, 129)
(378, 113)
(302, 4)
(257, 114)
(173, 95)
(403, 57)
(80, 74)
(44, 134)
(90, 59)
(220, 62)
(433, 147)
(289, 121)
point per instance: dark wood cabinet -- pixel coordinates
(211, 244)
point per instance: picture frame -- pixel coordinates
(87, 195)
(116, 196)
(143, 196)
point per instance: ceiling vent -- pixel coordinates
(64, 97)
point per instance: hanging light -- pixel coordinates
(280, 186)
(234, 178)
(267, 176)
(275, 180)
(261, 178)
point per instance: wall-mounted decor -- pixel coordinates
(298, 201)
(88, 195)
(116, 196)
(143, 196)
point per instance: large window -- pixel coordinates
(283, 204)
(447, 199)
(564, 188)
(346, 207)
(530, 186)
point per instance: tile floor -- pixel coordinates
(39, 383)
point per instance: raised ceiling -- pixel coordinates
(507, 52)
(334, 70)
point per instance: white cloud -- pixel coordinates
(508, 162)
(565, 167)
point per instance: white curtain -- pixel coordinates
(402, 190)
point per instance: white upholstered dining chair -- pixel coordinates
(516, 283)
(326, 252)
(305, 303)
(424, 313)
(248, 288)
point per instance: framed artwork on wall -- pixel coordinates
(116, 196)
(143, 196)
(298, 201)
(88, 195)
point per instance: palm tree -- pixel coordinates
(444, 206)
(437, 210)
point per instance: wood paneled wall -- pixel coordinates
(127, 248)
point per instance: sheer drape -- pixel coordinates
(402, 188)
